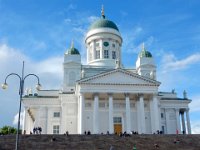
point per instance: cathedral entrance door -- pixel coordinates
(118, 128)
(117, 125)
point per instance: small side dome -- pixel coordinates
(72, 50)
(144, 52)
(103, 23)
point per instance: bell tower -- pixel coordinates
(72, 68)
(145, 65)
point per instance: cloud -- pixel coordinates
(70, 7)
(170, 62)
(195, 104)
(92, 19)
(49, 71)
(195, 126)
(67, 21)
(15, 120)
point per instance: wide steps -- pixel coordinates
(100, 142)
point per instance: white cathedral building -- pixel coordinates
(104, 96)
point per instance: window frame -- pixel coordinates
(56, 129)
(56, 114)
(106, 54)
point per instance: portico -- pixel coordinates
(103, 106)
(103, 110)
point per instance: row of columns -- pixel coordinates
(179, 113)
(140, 114)
(188, 121)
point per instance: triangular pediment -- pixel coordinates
(119, 76)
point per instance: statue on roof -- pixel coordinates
(184, 94)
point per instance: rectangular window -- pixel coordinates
(113, 45)
(98, 54)
(113, 55)
(162, 115)
(106, 54)
(56, 129)
(117, 120)
(56, 114)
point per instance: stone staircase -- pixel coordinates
(100, 142)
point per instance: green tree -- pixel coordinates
(8, 130)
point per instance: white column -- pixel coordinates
(96, 115)
(93, 51)
(141, 115)
(101, 49)
(111, 129)
(156, 113)
(81, 113)
(128, 115)
(183, 122)
(24, 126)
(178, 120)
(188, 121)
(88, 53)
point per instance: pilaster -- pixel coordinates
(81, 113)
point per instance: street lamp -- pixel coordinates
(21, 91)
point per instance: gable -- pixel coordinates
(120, 77)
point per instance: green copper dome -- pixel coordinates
(103, 23)
(144, 53)
(73, 50)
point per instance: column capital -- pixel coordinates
(187, 109)
(177, 109)
(140, 94)
(110, 94)
(95, 94)
(126, 94)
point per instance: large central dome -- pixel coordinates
(103, 23)
(103, 41)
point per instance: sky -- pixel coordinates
(40, 31)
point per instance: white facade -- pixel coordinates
(104, 96)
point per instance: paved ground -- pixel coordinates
(101, 142)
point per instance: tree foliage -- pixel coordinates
(7, 130)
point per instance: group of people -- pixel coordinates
(37, 130)
(87, 132)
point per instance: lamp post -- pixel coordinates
(21, 91)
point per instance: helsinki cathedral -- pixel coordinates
(103, 96)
